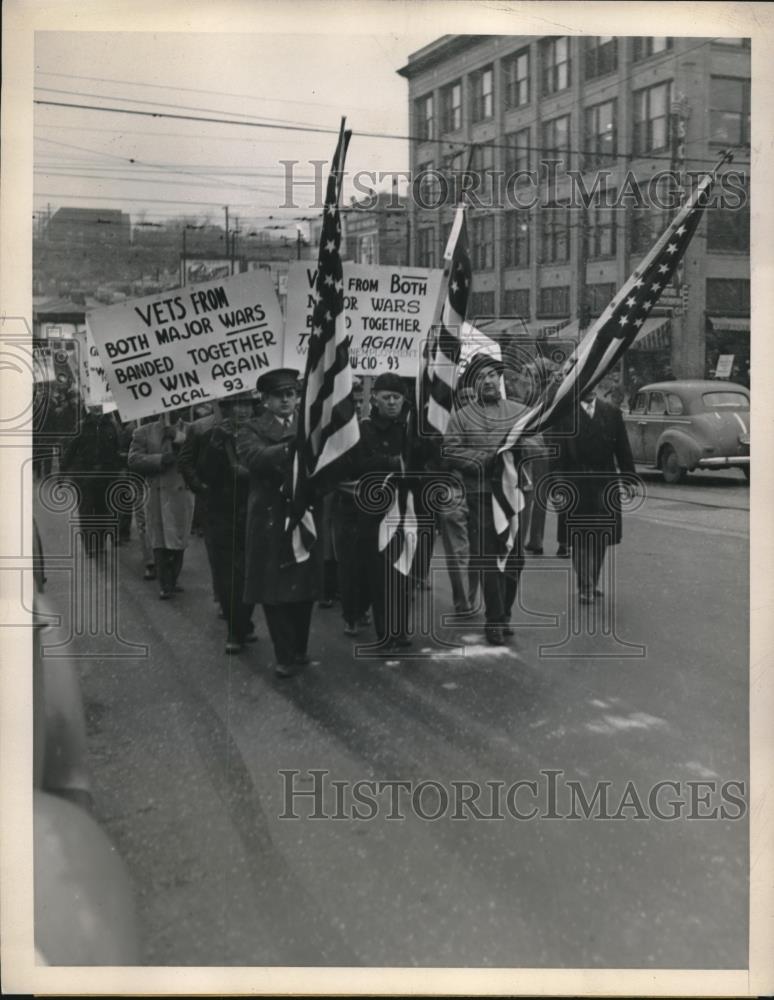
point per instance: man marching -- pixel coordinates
(287, 589)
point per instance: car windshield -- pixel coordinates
(726, 401)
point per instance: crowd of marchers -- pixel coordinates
(224, 475)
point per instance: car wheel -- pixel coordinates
(670, 466)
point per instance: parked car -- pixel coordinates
(691, 424)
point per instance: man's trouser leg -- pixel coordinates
(453, 524)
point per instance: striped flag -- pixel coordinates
(437, 373)
(327, 422)
(602, 346)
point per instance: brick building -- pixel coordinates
(610, 109)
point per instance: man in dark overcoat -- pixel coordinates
(92, 461)
(591, 458)
(227, 483)
(287, 589)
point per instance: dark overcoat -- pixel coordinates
(263, 446)
(591, 458)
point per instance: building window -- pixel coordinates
(482, 305)
(555, 65)
(556, 140)
(646, 224)
(728, 296)
(644, 48)
(599, 297)
(517, 239)
(554, 301)
(482, 94)
(601, 55)
(482, 242)
(517, 152)
(516, 79)
(516, 302)
(482, 168)
(599, 144)
(651, 118)
(426, 186)
(554, 235)
(601, 233)
(424, 117)
(451, 105)
(426, 247)
(728, 229)
(729, 110)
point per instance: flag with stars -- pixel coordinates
(603, 345)
(437, 373)
(328, 429)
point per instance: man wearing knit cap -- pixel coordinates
(286, 589)
(470, 448)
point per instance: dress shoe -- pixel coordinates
(351, 630)
(494, 635)
(534, 550)
(563, 552)
(149, 574)
(233, 647)
(165, 595)
(283, 670)
(584, 597)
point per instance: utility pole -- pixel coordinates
(225, 209)
(233, 242)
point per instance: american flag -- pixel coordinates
(327, 422)
(602, 346)
(437, 373)
(435, 386)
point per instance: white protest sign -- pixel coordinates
(190, 344)
(91, 373)
(724, 366)
(387, 310)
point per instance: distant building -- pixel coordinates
(629, 106)
(376, 230)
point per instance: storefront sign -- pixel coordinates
(185, 346)
(387, 310)
(724, 366)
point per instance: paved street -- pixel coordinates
(187, 744)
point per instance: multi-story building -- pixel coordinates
(375, 230)
(616, 112)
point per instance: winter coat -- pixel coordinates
(588, 461)
(169, 511)
(271, 577)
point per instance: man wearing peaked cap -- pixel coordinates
(287, 590)
(276, 380)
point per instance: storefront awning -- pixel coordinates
(731, 324)
(655, 335)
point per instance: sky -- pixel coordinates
(84, 157)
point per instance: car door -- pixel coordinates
(655, 420)
(635, 426)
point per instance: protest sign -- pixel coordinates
(184, 346)
(387, 310)
(94, 387)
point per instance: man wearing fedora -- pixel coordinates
(286, 589)
(470, 449)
